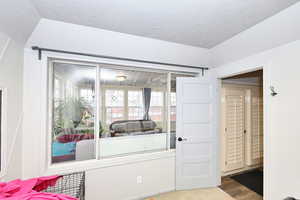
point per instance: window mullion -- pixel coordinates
(168, 106)
(98, 111)
(126, 113)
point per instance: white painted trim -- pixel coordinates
(98, 100)
(140, 197)
(5, 48)
(168, 113)
(63, 168)
(4, 133)
(267, 112)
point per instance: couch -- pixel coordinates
(117, 145)
(133, 127)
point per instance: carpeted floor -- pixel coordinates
(198, 194)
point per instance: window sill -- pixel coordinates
(76, 166)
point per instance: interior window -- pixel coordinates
(128, 115)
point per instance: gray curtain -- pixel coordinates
(146, 102)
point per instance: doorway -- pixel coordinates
(241, 135)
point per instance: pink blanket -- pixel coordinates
(30, 189)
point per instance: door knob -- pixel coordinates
(181, 139)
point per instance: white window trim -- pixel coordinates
(48, 167)
(3, 136)
(75, 166)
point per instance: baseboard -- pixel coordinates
(142, 197)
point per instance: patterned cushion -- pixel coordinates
(128, 126)
(74, 137)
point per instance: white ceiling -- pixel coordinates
(18, 18)
(203, 23)
(78, 73)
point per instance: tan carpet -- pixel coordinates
(198, 194)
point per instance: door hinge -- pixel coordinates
(225, 162)
(225, 129)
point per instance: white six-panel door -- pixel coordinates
(196, 153)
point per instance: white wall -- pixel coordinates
(267, 46)
(275, 31)
(114, 182)
(245, 52)
(11, 80)
(65, 36)
(4, 41)
(281, 70)
(120, 182)
(17, 21)
(283, 147)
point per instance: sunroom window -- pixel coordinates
(114, 105)
(109, 112)
(135, 105)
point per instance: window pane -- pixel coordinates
(157, 99)
(73, 112)
(114, 114)
(135, 105)
(114, 98)
(173, 109)
(156, 107)
(124, 131)
(114, 105)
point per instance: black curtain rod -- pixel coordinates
(40, 50)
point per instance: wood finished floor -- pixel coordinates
(238, 191)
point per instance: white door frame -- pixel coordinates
(220, 73)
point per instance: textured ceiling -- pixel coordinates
(77, 73)
(203, 23)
